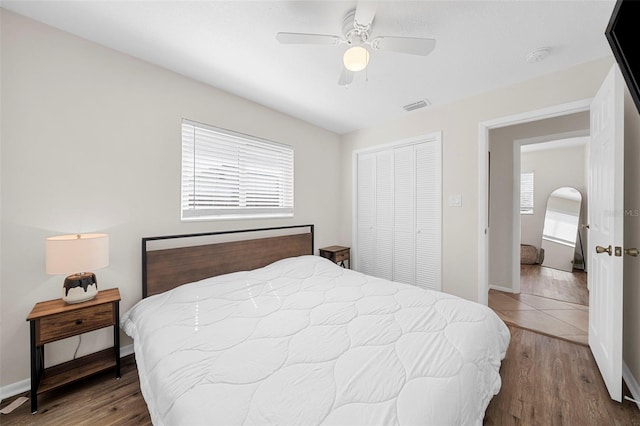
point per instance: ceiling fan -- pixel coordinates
(356, 29)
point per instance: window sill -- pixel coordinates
(236, 217)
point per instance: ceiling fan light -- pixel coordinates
(356, 58)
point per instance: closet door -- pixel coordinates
(404, 250)
(428, 216)
(399, 208)
(366, 214)
(384, 215)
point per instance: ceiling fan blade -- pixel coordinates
(409, 45)
(302, 38)
(346, 77)
(365, 12)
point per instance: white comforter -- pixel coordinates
(305, 342)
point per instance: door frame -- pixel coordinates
(517, 170)
(483, 176)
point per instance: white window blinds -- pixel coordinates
(526, 193)
(229, 175)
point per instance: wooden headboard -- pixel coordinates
(190, 258)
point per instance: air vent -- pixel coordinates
(416, 105)
(538, 55)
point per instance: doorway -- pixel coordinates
(551, 181)
(553, 204)
(532, 295)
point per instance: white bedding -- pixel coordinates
(304, 342)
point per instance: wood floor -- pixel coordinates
(568, 321)
(545, 381)
(549, 381)
(101, 400)
(555, 284)
(551, 302)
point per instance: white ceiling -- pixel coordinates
(481, 45)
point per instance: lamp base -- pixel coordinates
(80, 287)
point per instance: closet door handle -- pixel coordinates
(600, 250)
(632, 252)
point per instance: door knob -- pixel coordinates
(632, 252)
(600, 249)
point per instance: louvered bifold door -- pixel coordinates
(404, 216)
(428, 216)
(366, 213)
(384, 215)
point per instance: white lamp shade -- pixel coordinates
(356, 58)
(67, 254)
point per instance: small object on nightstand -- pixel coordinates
(55, 320)
(337, 254)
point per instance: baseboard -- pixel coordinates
(15, 389)
(126, 350)
(499, 288)
(25, 385)
(631, 382)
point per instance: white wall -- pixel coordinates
(501, 146)
(91, 143)
(1, 188)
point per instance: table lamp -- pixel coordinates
(75, 255)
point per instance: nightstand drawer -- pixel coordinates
(72, 323)
(341, 255)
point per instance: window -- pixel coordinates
(230, 175)
(560, 227)
(526, 193)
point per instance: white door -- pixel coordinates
(429, 215)
(404, 188)
(398, 209)
(383, 258)
(366, 199)
(606, 215)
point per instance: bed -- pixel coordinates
(302, 341)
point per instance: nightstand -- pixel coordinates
(337, 254)
(55, 320)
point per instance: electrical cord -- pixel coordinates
(77, 347)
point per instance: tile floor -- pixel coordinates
(566, 320)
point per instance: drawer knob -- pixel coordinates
(78, 321)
